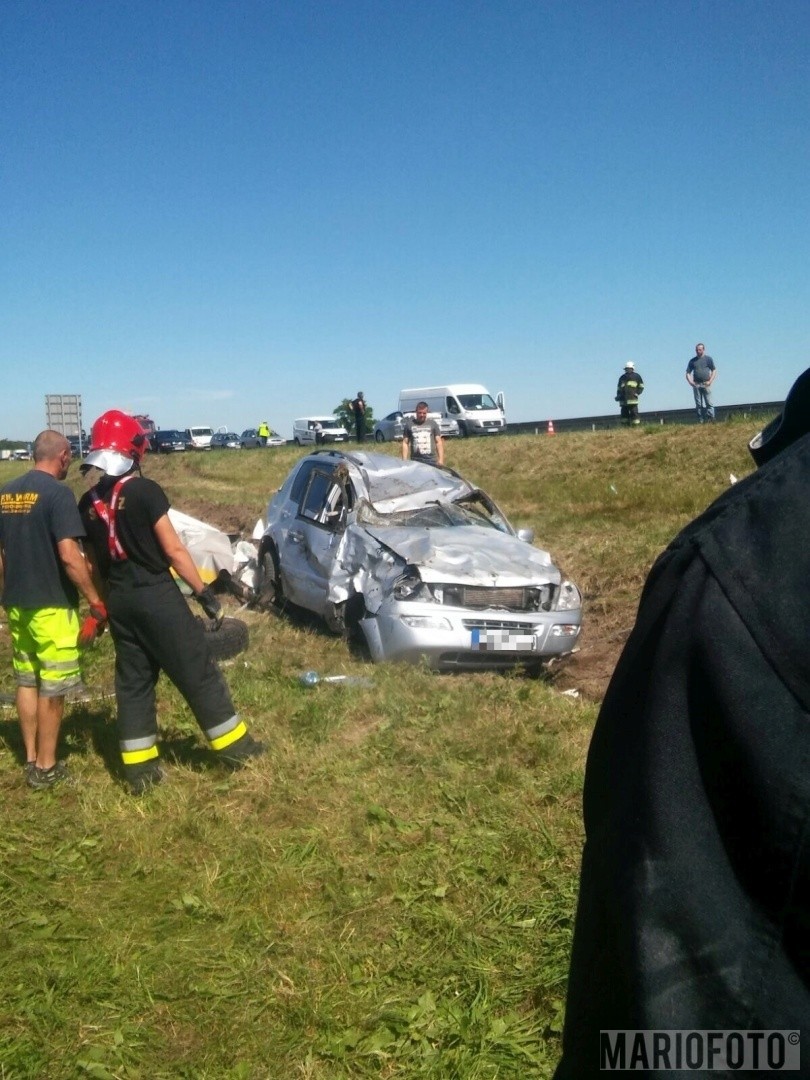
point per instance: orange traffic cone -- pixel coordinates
(551, 427)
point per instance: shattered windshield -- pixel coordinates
(473, 509)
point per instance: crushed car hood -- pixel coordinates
(471, 555)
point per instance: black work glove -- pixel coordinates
(211, 606)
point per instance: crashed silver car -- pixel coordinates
(421, 562)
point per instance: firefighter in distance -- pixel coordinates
(629, 390)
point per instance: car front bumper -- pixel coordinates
(448, 638)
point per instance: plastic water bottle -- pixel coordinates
(312, 678)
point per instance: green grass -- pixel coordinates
(390, 891)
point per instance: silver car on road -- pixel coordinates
(418, 560)
(250, 439)
(392, 427)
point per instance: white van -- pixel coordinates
(199, 437)
(470, 404)
(316, 430)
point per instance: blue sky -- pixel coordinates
(235, 211)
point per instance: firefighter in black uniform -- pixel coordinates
(132, 546)
(694, 901)
(629, 390)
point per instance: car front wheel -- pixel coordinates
(269, 592)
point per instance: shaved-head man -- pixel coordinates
(44, 571)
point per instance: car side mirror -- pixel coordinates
(526, 535)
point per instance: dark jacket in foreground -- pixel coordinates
(694, 908)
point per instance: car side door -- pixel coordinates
(309, 553)
(303, 433)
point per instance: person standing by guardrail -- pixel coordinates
(630, 388)
(700, 374)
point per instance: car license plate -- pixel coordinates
(502, 641)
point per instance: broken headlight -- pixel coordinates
(569, 597)
(411, 587)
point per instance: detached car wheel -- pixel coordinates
(229, 640)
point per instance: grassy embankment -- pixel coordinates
(389, 892)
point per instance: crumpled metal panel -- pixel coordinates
(370, 567)
(471, 555)
(407, 485)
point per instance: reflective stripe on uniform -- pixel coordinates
(135, 751)
(135, 757)
(58, 687)
(233, 730)
(58, 665)
(137, 744)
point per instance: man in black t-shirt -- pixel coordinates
(44, 571)
(133, 546)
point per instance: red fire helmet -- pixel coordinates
(119, 433)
